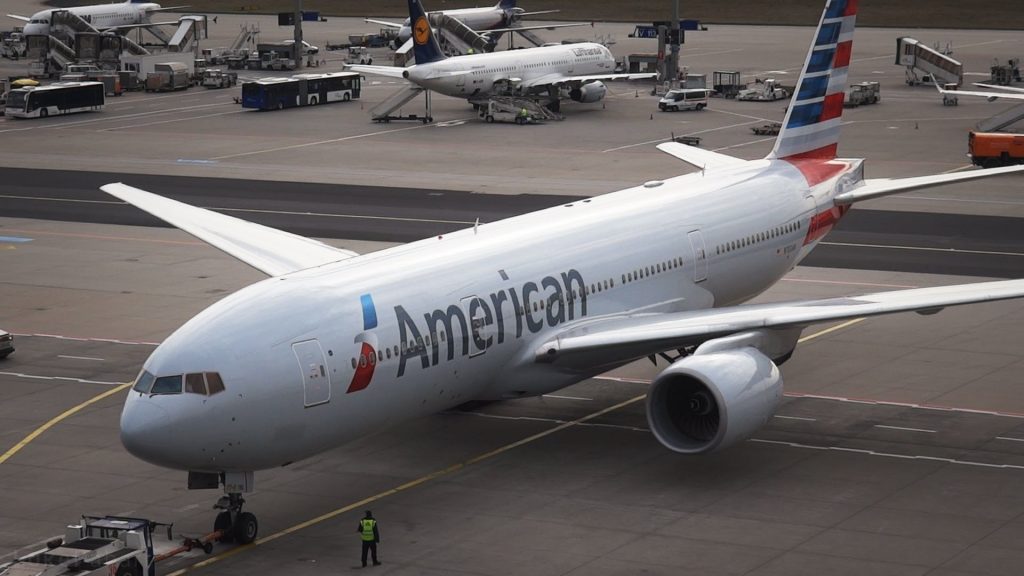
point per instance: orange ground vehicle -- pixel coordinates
(991, 149)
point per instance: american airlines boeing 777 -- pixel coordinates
(335, 345)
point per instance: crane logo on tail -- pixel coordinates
(421, 31)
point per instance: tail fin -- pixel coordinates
(811, 127)
(424, 45)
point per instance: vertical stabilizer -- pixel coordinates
(424, 45)
(811, 127)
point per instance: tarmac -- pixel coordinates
(898, 450)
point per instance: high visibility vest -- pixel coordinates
(367, 524)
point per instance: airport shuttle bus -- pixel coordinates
(57, 98)
(300, 90)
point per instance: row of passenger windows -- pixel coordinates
(513, 68)
(203, 383)
(758, 238)
(647, 271)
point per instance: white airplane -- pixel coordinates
(334, 345)
(575, 69)
(501, 17)
(103, 17)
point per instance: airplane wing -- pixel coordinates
(703, 159)
(878, 187)
(274, 252)
(142, 25)
(383, 23)
(558, 79)
(22, 18)
(612, 341)
(167, 8)
(992, 96)
(518, 28)
(996, 87)
(389, 71)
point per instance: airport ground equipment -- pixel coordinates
(6, 344)
(766, 91)
(1001, 120)
(684, 99)
(54, 99)
(301, 90)
(769, 129)
(1005, 74)
(991, 149)
(102, 546)
(862, 94)
(949, 99)
(217, 78)
(243, 44)
(383, 112)
(927, 65)
(726, 83)
(12, 45)
(358, 55)
(168, 76)
(518, 110)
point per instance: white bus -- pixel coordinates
(53, 99)
(301, 90)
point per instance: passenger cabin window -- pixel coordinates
(167, 385)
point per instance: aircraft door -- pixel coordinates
(700, 259)
(478, 322)
(316, 378)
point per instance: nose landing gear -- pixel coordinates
(233, 524)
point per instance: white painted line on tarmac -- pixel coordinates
(114, 118)
(890, 454)
(80, 358)
(59, 378)
(844, 283)
(924, 249)
(1011, 439)
(796, 418)
(663, 139)
(343, 139)
(937, 407)
(549, 420)
(566, 397)
(80, 339)
(905, 429)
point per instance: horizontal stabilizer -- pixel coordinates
(274, 252)
(992, 96)
(996, 87)
(878, 187)
(703, 159)
(389, 71)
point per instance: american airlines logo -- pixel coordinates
(481, 322)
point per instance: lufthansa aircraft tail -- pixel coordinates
(424, 44)
(811, 127)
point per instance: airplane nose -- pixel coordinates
(145, 429)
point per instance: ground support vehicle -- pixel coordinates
(168, 76)
(684, 99)
(863, 93)
(6, 344)
(216, 78)
(53, 99)
(769, 129)
(301, 90)
(991, 149)
(104, 545)
(726, 83)
(950, 99)
(358, 55)
(766, 91)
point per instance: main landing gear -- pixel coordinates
(235, 525)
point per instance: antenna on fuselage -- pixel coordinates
(476, 225)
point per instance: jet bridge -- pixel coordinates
(918, 58)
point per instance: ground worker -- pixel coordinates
(524, 114)
(370, 535)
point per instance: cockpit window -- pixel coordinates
(144, 382)
(167, 385)
(214, 383)
(194, 384)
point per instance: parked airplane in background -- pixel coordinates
(502, 17)
(336, 345)
(103, 17)
(576, 69)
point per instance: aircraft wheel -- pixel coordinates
(223, 524)
(246, 527)
(489, 119)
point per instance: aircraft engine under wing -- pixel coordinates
(274, 252)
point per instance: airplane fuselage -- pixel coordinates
(457, 318)
(479, 19)
(101, 16)
(480, 75)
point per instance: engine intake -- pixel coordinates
(707, 402)
(589, 93)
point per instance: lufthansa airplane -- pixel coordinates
(501, 17)
(334, 345)
(576, 69)
(103, 17)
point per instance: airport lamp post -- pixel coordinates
(297, 51)
(673, 62)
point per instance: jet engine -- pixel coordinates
(707, 402)
(589, 93)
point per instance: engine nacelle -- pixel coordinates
(589, 93)
(707, 402)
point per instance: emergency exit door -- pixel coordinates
(316, 378)
(700, 258)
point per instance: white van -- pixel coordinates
(684, 99)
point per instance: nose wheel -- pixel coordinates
(233, 524)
